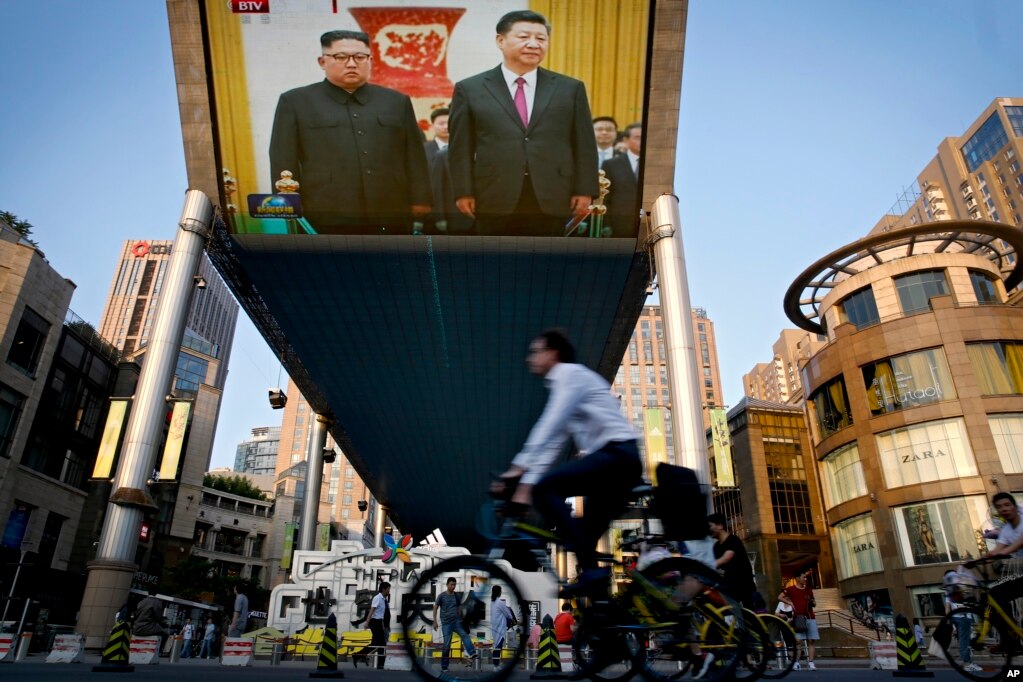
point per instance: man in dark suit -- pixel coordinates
(439, 128)
(623, 172)
(522, 156)
(605, 131)
(355, 148)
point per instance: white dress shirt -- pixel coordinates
(441, 144)
(605, 155)
(530, 87)
(378, 608)
(581, 406)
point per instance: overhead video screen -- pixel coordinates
(484, 117)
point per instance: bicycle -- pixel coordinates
(985, 617)
(770, 647)
(610, 643)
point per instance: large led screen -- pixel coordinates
(482, 117)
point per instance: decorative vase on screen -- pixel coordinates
(410, 47)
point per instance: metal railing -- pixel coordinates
(843, 620)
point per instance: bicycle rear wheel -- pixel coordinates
(690, 623)
(970, 656)
(784, 646)
(475, 577)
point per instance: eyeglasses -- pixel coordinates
(342, 58)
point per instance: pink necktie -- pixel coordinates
(520, 101)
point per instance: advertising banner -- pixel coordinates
(724, 474)
(289, 544)
(110, 443)
(322, 537)
(175, 440)
(406, 117)
(656, 443)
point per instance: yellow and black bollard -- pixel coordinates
(907, 653)
(548, 660)
(326, 663)
(115, 653)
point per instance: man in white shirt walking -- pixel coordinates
(377, 626)
(580, 406)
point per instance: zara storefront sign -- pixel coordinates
(862, 547)
(926, 454)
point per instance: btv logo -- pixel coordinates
(250, 6)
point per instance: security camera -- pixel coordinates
(329, 455)
(200, 282)
(278, 399)
(363, 505)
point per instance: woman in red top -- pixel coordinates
(800, 596)
(564, 625)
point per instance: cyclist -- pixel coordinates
(580, 406)
(1009, 544)
(732, 561)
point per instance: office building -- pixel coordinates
(774, 506)
(55, 380)
(258, 455)
(343, 489)
(915, 405)
(778, 381)
(130, 308)
(975, 176)
(201, 372)
(641, 383)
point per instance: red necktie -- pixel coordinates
(520, 101)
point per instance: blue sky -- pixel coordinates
(801, 124)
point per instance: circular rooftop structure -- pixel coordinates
(999, 243)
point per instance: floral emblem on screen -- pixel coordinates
(396, 549)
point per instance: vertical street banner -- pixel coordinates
(289, 545)
(656, 442)
(175, 440)
(323, 537)
(722, 439)
(110, 443)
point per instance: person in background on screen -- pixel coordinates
(522, 156)
(605, 130)
(355, 148)
(622, 200)
(439, 128)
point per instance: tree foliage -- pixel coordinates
(196, 579)
(236, 485)
(22, 227)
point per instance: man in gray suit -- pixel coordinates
(522, 156)
(355, 148)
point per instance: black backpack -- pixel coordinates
(680, 501)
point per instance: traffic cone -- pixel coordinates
(326, 663)
(548, 660)
(115, 653)
(907, 653)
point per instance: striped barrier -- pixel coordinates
(67, 649)
(144, 650)
(397, 657)
(237, 651)
(7, 647)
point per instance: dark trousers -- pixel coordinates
(527, 220)
(605, 478)
(379, 642)
(1004, 594)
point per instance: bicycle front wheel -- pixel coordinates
(784, 646)
(969, 635)
(463, 649)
